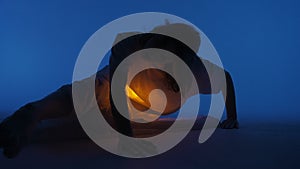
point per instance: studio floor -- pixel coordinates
(266, 145)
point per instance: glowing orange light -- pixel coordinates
(134, 96)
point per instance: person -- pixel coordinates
(17, 129)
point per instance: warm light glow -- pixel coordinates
(134, 96)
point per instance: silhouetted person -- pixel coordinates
(16, 130)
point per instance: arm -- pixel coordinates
(203, 81)
(231, 121)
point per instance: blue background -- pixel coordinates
(258, 42)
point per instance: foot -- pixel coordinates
(230, 123)
(16, 130)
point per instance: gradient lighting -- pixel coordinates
(258, 43)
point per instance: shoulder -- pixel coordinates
(130, 41)
(124, 35)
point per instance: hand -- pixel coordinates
(230, 123)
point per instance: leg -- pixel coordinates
(15, 131)
(56, 105)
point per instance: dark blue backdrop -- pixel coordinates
(258, 42)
